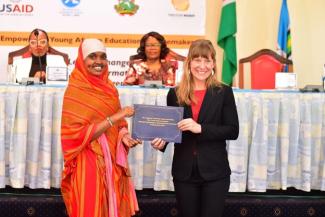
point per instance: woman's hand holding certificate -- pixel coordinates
(190, 125)
(158, 143)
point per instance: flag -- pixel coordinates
(284, 34)
(227, 41)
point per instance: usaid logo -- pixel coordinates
(16, 7)
(71, 3)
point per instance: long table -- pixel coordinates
(281, 142)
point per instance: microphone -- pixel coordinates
(36, 33)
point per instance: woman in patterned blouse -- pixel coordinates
(152, 62)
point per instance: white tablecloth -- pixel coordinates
(281, 142)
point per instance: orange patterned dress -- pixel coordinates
(87, 189)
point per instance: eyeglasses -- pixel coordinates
(153, 45)
(204, 61)
(41, 42)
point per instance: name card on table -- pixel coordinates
(57, 75)
(285, 80)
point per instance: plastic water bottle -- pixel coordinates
(70, 68)
(11, 74)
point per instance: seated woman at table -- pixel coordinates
(33, 59)
(95, 141)
(154, 62)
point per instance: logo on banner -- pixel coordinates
(182, 9)
(71, 3)
(181, 5)
(16, 8)
(71, 9)
(126, 7)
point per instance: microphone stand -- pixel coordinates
(36, 33)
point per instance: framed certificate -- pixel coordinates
(57, 75)
(151, 122)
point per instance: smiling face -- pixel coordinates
(38, 45)
(201, 68)
(96, 63)
(152, 48)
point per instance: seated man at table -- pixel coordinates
(32, 60)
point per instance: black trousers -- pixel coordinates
(200, 198)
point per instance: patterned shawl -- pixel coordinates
(89, 100)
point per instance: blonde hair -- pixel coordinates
(185, 89)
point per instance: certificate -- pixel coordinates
(56, 75)
(151, 122)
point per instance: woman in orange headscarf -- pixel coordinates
(96, 179)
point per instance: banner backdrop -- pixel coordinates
(120, 24)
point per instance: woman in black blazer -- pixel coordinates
(200, 170)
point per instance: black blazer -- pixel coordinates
(219, 122)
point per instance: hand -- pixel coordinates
(40, 75)
(190, 125)
(129, 141)
(130, 80)
(128, 111)
(158, 143)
